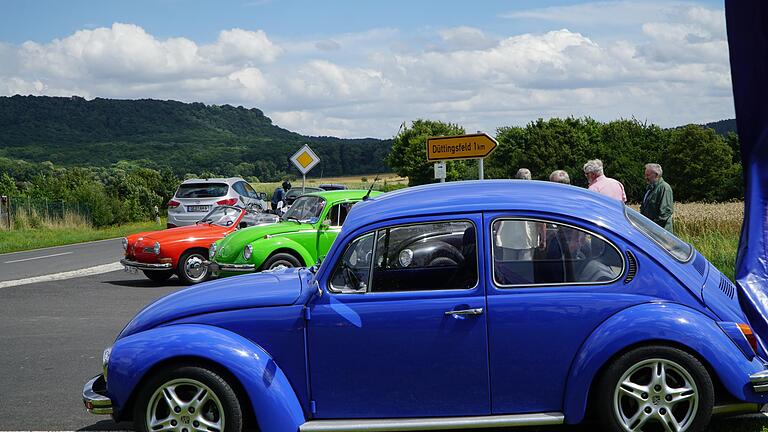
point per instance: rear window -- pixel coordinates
(679, 249)
(202, 190)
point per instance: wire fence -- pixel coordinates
(26, 213)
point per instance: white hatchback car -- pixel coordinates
(196, 197)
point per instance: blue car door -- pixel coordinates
(550, 283)
(401, 331)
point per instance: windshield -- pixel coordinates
(222, 216)
(679, 249)
(306, 208)
(202, 190)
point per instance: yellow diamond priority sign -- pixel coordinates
(305, 159)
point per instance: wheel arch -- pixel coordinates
(201, 249)
(267, 396)
(650, 324)
(299, 253)
(249, 416)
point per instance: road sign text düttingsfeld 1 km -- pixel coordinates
(474, 146)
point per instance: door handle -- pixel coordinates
(473, 311)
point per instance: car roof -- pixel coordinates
(490, 195)
(228, 180)
(337, 195)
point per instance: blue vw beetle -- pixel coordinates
(458, 305)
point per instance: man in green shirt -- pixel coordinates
(658, 204)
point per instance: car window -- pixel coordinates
(353, 269)
(418, 257)
(249, 190)
(534, 252)
(306, 208)
(222, 216)
(202, 190)
(679, 249)
(338, 214)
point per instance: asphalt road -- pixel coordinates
(52, 335)
(20, 265)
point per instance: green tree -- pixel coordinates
(8, 185)
(408, 156)
(699, 165)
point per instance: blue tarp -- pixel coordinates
(747, 23)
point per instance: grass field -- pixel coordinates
(25, 239)
(386, 182)
(713, 229)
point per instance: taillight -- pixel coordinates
(227, 202)
(173, 204)
(746, 330)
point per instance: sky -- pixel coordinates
(352, 68)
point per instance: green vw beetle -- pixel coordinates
(305, 232)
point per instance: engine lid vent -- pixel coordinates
(726, 286)
(631, 267)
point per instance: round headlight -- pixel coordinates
(405, 258)
(247, 252)
(212, 252)
(125, 244)
(156, 249)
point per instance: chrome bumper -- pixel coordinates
(146, 266)
(215, 267)
(759, 381)
(93, 396)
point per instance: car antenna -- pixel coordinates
(368, 194)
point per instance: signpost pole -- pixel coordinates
(303, 181)
(480, 169)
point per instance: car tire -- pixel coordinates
(158, 276)
(191, 269)
(172, 398)
(278, 259)
(655, 384)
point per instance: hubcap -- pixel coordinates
(280, 263)
(656, 394)
(185, 404)
(194, 268)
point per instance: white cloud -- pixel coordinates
(672, 71)
(466, 38)
(242, 46)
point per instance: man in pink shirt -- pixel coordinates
(601, 184)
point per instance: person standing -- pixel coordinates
(658, 203)
(560, 176)
(518, 238)
(279, 194)
(601, 184)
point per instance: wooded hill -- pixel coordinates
(188, 138)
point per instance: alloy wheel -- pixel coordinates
(185, 405)
(656, 394)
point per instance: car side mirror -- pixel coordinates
(263, 196)
(243, 224)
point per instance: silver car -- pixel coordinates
(196, 197)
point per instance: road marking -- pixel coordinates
(106, 268)
(60, 246)
(35, 258)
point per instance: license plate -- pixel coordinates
(198, 208)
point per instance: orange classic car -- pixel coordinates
(181, 251)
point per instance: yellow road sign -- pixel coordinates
(473, 146)
(305, 159)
